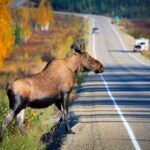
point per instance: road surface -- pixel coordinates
(112, 111)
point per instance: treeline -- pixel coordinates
(16, 24)
(123, 8)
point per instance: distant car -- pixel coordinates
(112, 22)
(141, 44)
(137, 48)
(95, 30)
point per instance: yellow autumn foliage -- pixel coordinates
(6, 36)
(43, 14)
(5, 2)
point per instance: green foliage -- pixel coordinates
(124, 8)
(18, 34)
(80, 77)
(3, 107)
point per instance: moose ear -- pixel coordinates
(79, 46)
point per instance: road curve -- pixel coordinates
(112, 111)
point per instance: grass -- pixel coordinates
(80, 78)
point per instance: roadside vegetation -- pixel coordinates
(138, 28)
(27, 43)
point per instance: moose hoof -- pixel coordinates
(70, 132)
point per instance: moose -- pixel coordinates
(52, 85)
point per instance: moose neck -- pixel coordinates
(74, 63)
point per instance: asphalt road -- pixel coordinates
(112, 111)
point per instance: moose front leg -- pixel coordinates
(65, 112)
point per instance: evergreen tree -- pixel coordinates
(125, 8)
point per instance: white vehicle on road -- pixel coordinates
(141, 45)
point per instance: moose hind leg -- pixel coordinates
(15, 107)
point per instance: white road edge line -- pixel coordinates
(123, 45)
(127, 126)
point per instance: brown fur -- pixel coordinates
(58, 76)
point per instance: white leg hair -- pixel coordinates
(20, 118)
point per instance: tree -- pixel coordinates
(43, 15)
(136, 8)
(23, 16)
(6, 32)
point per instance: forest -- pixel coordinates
(23, 29)
(122, 8)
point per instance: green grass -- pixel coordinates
(80, 78)
(35, 126)
(20, 142)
